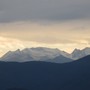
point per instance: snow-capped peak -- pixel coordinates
(39, 53)
(42, 53)
(77, 54)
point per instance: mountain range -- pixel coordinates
(45, 75)
(44, 54)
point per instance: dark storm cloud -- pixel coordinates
(40, 10)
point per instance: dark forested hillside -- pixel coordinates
(45, 76)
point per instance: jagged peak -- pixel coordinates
(75, 50)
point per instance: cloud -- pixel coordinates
(62, 24)
(43, 10)
(68, 32)
(11, 44)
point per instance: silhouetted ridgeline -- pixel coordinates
(45, 76)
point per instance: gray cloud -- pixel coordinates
(40, 10)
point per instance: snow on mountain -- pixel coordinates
(16, 56)
(39, 53)
(44, 54)
(77, 54)
(36, 54)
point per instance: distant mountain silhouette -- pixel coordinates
(36, 54)
(45, 76)
(60, 59)
(77, 53)
(44, 54)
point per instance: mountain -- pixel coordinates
(45, 76)
(36, 54)
(44, 54)
(60, 59)
(16, 56)
(77, 54)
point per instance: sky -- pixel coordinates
(62, 24)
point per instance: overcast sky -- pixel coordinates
(62, 24)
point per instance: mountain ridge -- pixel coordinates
(35, 54)
(44, 54)
(45, 75)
